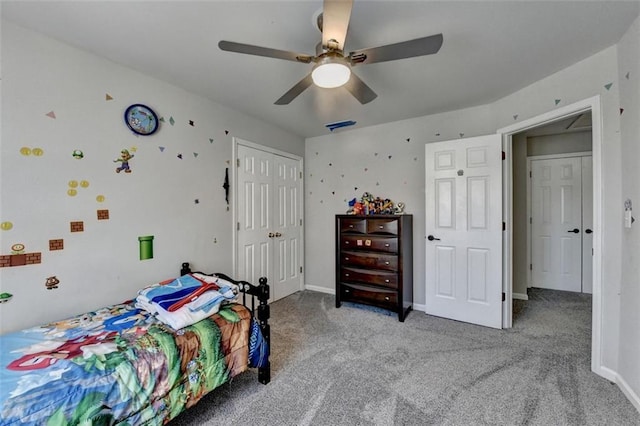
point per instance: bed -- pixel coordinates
(122, 365)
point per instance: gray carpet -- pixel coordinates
(353, 366)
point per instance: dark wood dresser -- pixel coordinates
(374, 261)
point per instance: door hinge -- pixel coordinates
(504, 226)
(300, 222)
(238, 227)
(237, 162)
(301, 269)
(530, 220)
(504, 155)
(300, 174)
(530, 174)
(504, 296)
(531, 266)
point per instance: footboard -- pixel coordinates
(261, 313)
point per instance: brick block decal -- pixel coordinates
(103, 214)
(56, 244)
(33, 258)
(77, 226)
(20, 259)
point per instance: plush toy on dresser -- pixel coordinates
(368, 204)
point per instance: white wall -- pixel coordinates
(352, 150)
(629, 86)
(101, 265)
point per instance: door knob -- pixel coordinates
(574, 230)
(278, 235)
(588, 231)
(271, 235)
(431, 238)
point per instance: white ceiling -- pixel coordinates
(491, 49)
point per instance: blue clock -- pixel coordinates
(141, 119)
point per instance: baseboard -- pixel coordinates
(421, 308)
(520, 296)
(628, 392)
(606, 373)
(320, 289)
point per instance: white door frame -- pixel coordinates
(591, 104)
(234, 195)
(530, 194)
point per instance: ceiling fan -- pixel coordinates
(332, 67)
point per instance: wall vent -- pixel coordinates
(339, 124)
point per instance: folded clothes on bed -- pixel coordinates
(186, 300)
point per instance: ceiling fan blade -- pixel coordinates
(295, 90)
(249, 49)
(360, 90)
(335, 22)
(391, 52)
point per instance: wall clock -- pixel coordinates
(141, 119)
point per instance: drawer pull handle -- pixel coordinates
(386, 263)
(346, 275)
(347, 291)
(386, 298)
(346, 258)
(386, 281)
(386, 245)
(350, 226)
(346, 242)
(381, 227)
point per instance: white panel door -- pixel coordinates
(287, 227)
(269, 241)
(587, 224)
(463, 190)
(254, 190)
(556, 224)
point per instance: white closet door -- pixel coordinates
(255, 183)
(556, 228)
(269, 230)
(287, 227)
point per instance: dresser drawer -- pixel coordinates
(353, 225)
(382, 278)
(382, 226)
(388, 262)
(362, 294)
(356, 242)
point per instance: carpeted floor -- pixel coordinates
(354, 366)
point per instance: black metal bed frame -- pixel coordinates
(261, 313)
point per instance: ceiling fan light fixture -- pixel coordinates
(330, 73)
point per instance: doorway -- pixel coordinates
(592, 105)
(552, 211)
(268, 234)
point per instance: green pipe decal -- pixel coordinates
(146, 247)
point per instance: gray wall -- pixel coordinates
(559, 144)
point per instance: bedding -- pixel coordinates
(183, 301)
(122, 365)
